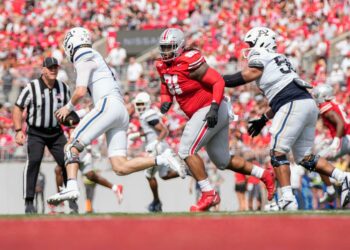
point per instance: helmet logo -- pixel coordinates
(68, 36)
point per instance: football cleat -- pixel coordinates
(63, 195)
(207, 200)
(269, 181)
(73, 206)
(174, 162)
(155, 206)
(327, 198)
(345, 188)
(119, 193)
(283, 204)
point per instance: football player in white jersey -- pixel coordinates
(155, 133)
(292, 108)
(109, 115)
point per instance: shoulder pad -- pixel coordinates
(255, 63)
(150, 113)
(84, 56)
(192, 58)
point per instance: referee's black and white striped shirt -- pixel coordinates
(41, 102)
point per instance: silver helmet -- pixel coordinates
(171, 44)
(323, 93)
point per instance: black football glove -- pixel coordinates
(71, 120)
(257, 125)
(165, 107)
(212, 115)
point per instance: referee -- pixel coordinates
(41, 98)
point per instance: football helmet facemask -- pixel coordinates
(171, 44)
(142, 102)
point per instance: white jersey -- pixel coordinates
(94, 73)
(278, 72)
(150, 133)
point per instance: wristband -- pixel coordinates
(70, 105)
(17, 130)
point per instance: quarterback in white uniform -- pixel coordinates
(154, 132)
(292, 108)
(109, 115)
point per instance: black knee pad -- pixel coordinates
(309, 162)
(280, 160)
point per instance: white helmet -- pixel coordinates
(142, 102)
(261, 37)
(323, 93)
(171, 44)
(76, 38)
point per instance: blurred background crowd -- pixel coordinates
(314, 34)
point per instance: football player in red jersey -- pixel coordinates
(199, 89)
(335, 119)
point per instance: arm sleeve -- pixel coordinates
(85, 69)
(24, 98)
(165, 96)
(214, 79)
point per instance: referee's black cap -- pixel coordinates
(49, 62)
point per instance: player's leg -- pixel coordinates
(35, 149)
(196, 135)
(329, 195)
(99, 179)
(288, 123)
(95, 123)
(121, 165)
(155, 205)
(302, 151)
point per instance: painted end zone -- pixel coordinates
(170, 233)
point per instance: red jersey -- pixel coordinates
(191, 95)
(328, 106)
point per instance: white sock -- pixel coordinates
(72, 184)
(338, 175)
(330, 189)
(205, 185)
(257, 172)
(287, 191)
(115, 188)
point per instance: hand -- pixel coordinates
(62, 113)
(257, 125)
(165, 107)
(212, 115)
(335, 147)
(152, 146)
(20, 138)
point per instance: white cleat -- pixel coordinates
(283, 204)
(63, 195)
(174, 162)
(345, 188)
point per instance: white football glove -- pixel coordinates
(152, 146)
(133, 136)
(335, 147)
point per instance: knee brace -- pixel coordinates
(69, 156)
(277, 161)
(309, 162)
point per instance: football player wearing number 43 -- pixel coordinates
(199, 89)
(292, 108)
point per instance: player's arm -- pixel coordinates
(336, 120)
(210, 77)
(256, 125)
(160, 128)
(247, 75)
(166, 99)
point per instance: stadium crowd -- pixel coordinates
(308, 33)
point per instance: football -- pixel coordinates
(71, 120)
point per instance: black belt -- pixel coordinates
(46, 131)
